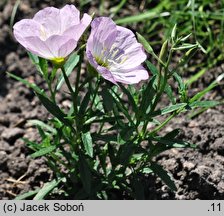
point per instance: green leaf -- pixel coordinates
(28, 84)
(85, 174)
(27, 194)
(54, 109)
(120, 105)
(168, 88)
(157, 169)
(130, 98)
(47, 188)
(186, 46)
(172, 134)
(173, 143)
(148, 15)
(127, 132)
(173, 108)
(169, 93)
(199, 95)
(69, 67)
(43, 151)
(166, 143)
(44, 67)
(88, 143)
(32, 145)
(152, 68)
(42, 125)
(34, 58)
(147, 98)
(107, 100)
(84, 104)
(105, 137)
(204, 104)
(179, 80)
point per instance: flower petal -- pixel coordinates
(134, 54)
(26, 28)
(69, 16)
(105, 73)
(103, 35)
(38, 47)
(76, 31)
(49, 18)
(131, 76)
(60, 46)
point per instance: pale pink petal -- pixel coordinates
(52, 33)
(69, 16)
(60, 46)
(132, 76)
(38, 47)
(115, 52)
(49, 18)
(105, 73)
(27, 28)
(76, 31)
(134, 53)
(102, 35)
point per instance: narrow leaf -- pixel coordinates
(47, 188)
(172, 108)
(28, 84)
(54, 109)
(88, 143)
(157, 169)
(43, 151)
(42, 125)
(27, 195)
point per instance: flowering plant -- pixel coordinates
(107, 141)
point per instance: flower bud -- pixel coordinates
(164, 51)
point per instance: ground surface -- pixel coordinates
(199, 174)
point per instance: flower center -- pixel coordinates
(101, 62)
(114, 56)
(58, 61)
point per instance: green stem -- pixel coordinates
(161, 88)
(165, 122)
(75, 98)
(95, 94)
(67, 82)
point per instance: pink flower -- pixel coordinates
(115, 53)
(52, 33)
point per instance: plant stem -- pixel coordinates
(166, 121)
(67, 82)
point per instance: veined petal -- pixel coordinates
(38, 47)
(53, 32)
(69, 16)
(50, 20)
(76, 31)
(134, 54)
(105, 73)
(103, 35)
(60, 46)
(115, 52)
(27, 27)
(131, 76)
